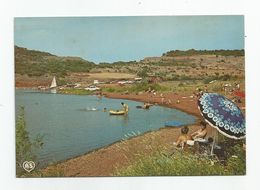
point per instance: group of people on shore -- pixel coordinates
(189, 139)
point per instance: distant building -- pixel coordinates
(138, 79)
(95, 82)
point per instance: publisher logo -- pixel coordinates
(28, 166)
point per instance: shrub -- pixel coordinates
(76, 91)
(25, 148)
(185, 164)
(179, 164)
(143, 73)
(110, 90)
(181, 84)
(144, 86)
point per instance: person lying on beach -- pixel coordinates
(183, 138)
(201, 133)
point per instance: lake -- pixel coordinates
(71, 128)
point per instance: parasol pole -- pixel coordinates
(213, 144)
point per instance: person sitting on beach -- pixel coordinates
(201, 133)
(125, 106)
(183, 138)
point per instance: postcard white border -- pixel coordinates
(23, 8)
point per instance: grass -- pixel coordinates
(26, 147)
(37, 63)
(187, 86)
(135, 88)
(161, 160)
(205, 52)
(76, 91)
(182, 163)
(145, 86)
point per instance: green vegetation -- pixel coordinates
(123, 63)
(111, 90)
(146, 86)
(179, 62)
(36, 63)
(135, 88)
(225, 77)
(205, 52)
(182, 70)
(25, 147)
(144, 72)
(188, 163)
(75, 91)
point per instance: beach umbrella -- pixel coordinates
(222, 114)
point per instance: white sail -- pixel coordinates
(53, 83)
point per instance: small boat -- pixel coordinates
(145, 106)
(116, 112)
(53, 86)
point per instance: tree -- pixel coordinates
(143, 73)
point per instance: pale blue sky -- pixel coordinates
(109, 39)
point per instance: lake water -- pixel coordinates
(70, 129)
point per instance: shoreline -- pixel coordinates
(103, 162)
(183, 105)
(106, 160)
(189, 105)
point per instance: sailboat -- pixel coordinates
(53, 86)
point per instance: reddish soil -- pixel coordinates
(106, 161)
(182, 102)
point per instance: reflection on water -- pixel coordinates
(73, 125)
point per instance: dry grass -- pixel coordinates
(108, 75)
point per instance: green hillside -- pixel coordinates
(37, 63)
(191, 52)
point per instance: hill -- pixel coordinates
(37, 63)
(34, 68)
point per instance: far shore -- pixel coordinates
(183, 102)
(180, 101)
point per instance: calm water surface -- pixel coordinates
(70, 129)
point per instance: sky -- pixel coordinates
(110, 39)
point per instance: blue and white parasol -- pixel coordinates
(222, 114)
